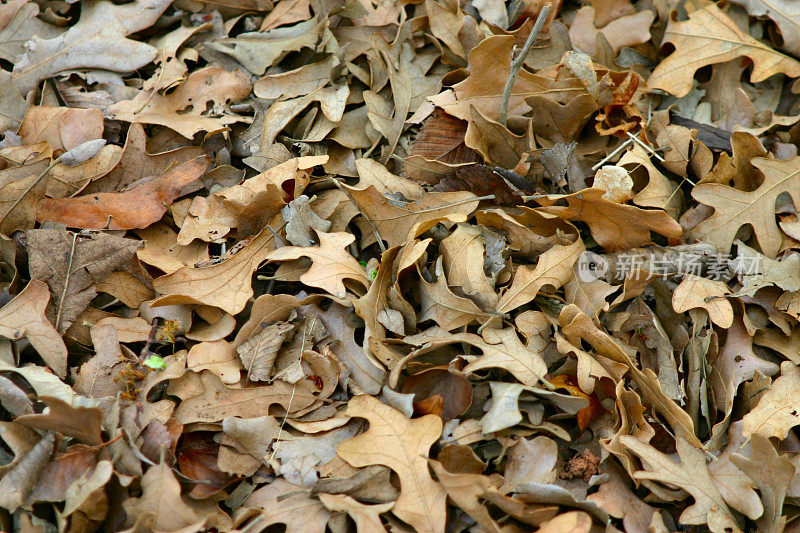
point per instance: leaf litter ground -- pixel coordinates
(425, 266)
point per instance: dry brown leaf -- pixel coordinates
(691, 474)
(554, 268)
(402, 445)
(217, 401)
(778, 409)
(183, 110)
(696, 292)
(258, 353)
(63, 128)
(226, 285)
(137, 207)
(395, 221)
(281, 502)
(25, 315)
(627, 30)
(85, 259)
(440, 304)
(330, 263)
(81, 423)
(218, 357)
(734, 208)
(161, 499)
(96, 41)
(21, 189)
(614, 226)
(711, 36)
(21, 478)
(772, 474)
(577, 325)
(136, 163)
(503, 349)
(366, 517)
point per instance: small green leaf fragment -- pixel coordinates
(155, 362)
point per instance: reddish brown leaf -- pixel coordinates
(137, 207)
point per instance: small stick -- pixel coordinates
(617, 150)
(636, 139)
(516, 64)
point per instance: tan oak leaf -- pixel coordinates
(331, 264)
(401, 444)
(734, 208)
(711, 36)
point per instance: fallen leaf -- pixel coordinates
(161, 499)
(217, 401)
(330, 264)
(137, 207)
(183, 109)
(777, 409)
(395, 221)
(627, 30)
(554, 268)
(25, 315)
(710, 36)
(695, 292)
(614, 226)
(734, 208)
(97, 41)
(401, 444)
(691, 474)
(298, 512)
(85, 259)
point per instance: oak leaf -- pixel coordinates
(330, 263)
(217, 401)
(614, 226)
(183, 109)
(395, 221)
(281, 502)
(21, 189)
(577, 326)
(25, 315)
(772, 474)
(734, 208)
(778, 409)
(696, 292)
(711, 36)
(503, 349)
(785, 13)
(96, 41)
(137, 207)
(226, 285)
(440, 304)
(554, 268)
(86, 259)
(402, 445)
(161, 499)
(137, 163)
(81, 423)
(691, 474)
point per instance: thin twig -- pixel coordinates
(66, 280)
(617, 150)
(516, 64)
(648, 148)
